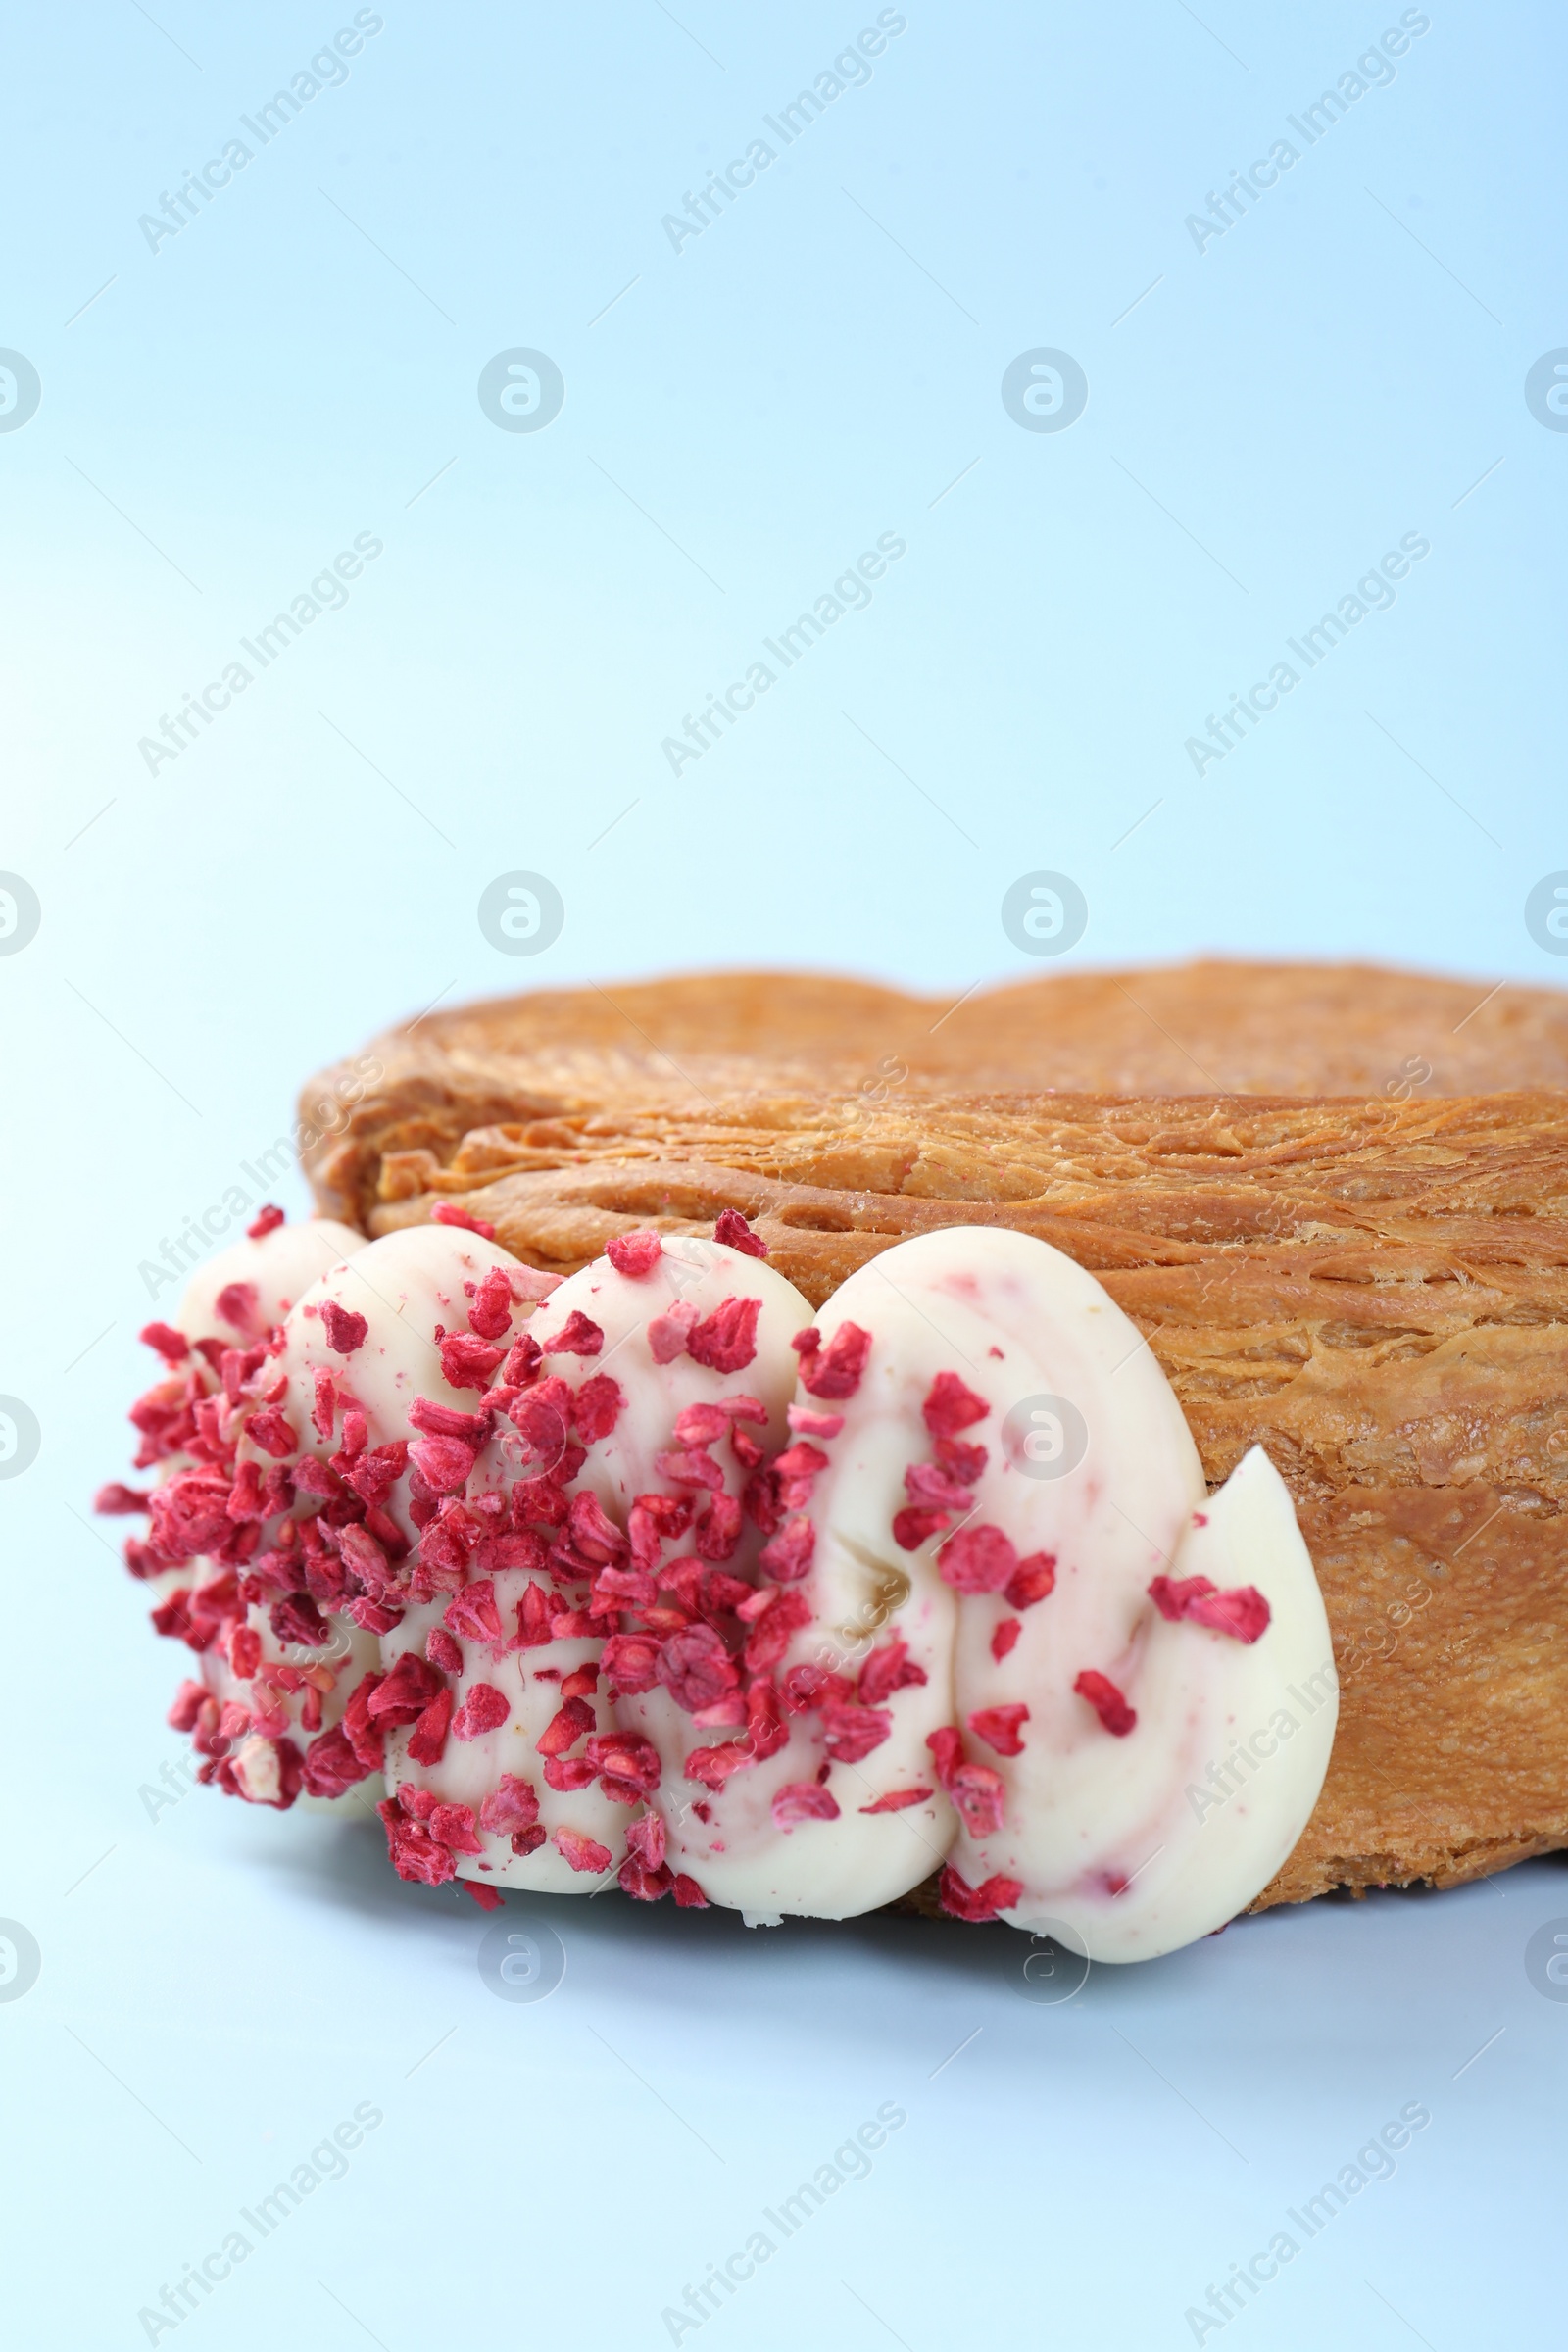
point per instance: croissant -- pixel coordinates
(1333, 1201)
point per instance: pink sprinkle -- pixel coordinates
(997, 1726)
(1004, 1637)
(483, 1710)
(447, 1212)
(807, 1423)
(802, 1800)
(345, 1329)
(1240, 1612)
(268, 1221)
(634, 1254)
(978, 1559)
(735, 1234)
(835, 1371)
(950, 1406)
(577, 1336)
(171, 1345)
(898, 1800)
(964, 1901)
(1107, 1702)
(583, 1853)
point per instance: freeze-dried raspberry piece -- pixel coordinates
(171, 1345)
(466, 1362)
(363, 1735)
(850, 1732)
(534, 1612)
(997, 1726)
(117, 1501)
(454, 1826)
(898, 1801)
(236, 1304)
(583, 1853)
(488, 1898)
(802, 1800)
(444, 1464)
(512, 1804)
(696, 1668)
(1003, 1636)
(521, 1363)
(267, 1220)
(963, 1462)
(596, 1408)
(577, 1336)
(405, 1692)
(332, 1766)
(373, 1475)
(699, 1424)
(428, 1738)
(835, 1371)
(735, 1234)
(647, 1839)
(634, 1254)
(568, 1773)
(628, 1762)
(771, 1630)
(273, 1431)
(643, 1884)
(187, 1705)
(960, 1900)
(564, 1728)
(712, 1766)
(1031, 1581)
(718, 1530)
(442, 1651)
(631, 1661)
(581, 1683)
(434, 1420)
(975, 1790)
(929, 1485)
(473, 1615)
(888, 1669)
(490, 1313)
(190, 1514)
(689, 1466)
(668, 1333)
(447, 1212)
(416, 1854)
(1107, 1702)
(483, 1710)
(787, 1556)
(914, 1525)
(726, 1339)
(688, 1894)
(298, 1620)
(809, 1424)
(1241, 1611)
(528, 1842)
(978, 1559)
(950, 1406)
(345, 1329)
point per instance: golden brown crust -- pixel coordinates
(1375, 1289)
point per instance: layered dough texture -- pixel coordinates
(646, 1576)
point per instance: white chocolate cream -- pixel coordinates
(645, 1575)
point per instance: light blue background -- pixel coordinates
(822, 366)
